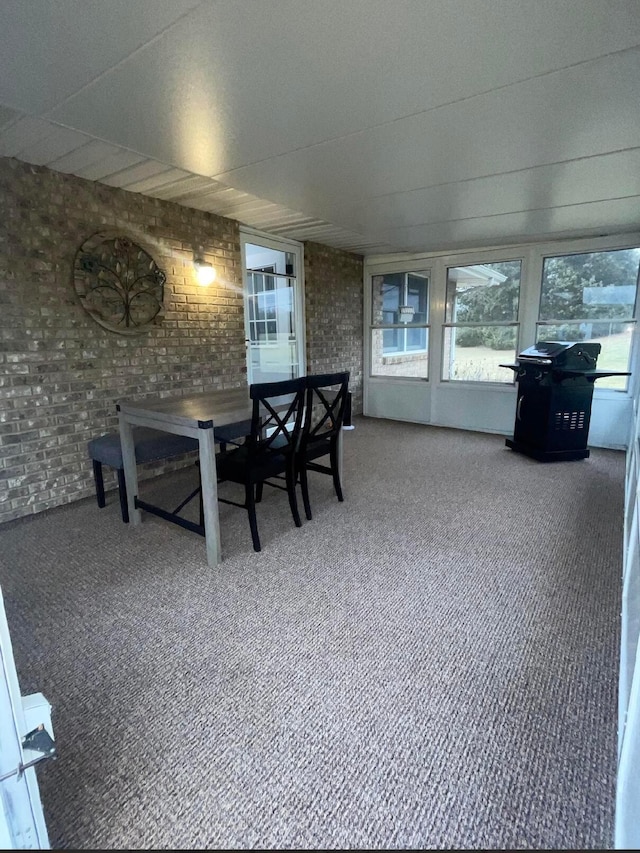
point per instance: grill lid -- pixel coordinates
(562, 353)
(545, 352)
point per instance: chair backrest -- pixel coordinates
(276, 422)
(325, 406)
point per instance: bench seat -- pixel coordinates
(151, 446)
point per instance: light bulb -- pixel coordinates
(205, 272)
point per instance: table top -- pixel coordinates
(194, 410)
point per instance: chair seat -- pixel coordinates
(319, 446)
(232, 465)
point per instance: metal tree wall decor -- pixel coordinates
(119, 284)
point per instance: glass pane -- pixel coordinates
(386, 297)
(274, 362)
(393, 354)
(483, 293)
(400, 297)
(591, 285)
(416, 299)
(271, 299)
(391, 340)
(475, 353)
(415, 338)
(290, 263)
(266, 305)
(614, 338)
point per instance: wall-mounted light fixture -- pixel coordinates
(205, 271)
(406, 313)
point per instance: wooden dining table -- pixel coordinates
(196, 416)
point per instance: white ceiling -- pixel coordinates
(369, 125)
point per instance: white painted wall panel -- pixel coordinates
(402, 401)
(627, 816)
(482, 408)
(610, 420)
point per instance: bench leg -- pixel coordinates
(122, 491)
(98, 480)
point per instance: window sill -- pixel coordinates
(404, 357)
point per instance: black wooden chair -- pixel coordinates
(268, 452)
(325, 405)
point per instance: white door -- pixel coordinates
(22, 825)
(274, 311)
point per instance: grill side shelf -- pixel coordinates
(567, 373)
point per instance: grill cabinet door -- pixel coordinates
(554, 415)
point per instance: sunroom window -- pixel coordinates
(591, 297)
(399, 325)
(481, 321)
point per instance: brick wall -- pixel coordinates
(333, 309)
(61, 373)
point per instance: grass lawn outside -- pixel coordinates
(481, 364)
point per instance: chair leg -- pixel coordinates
(250, 504)
(98, 480)
(122, 491)
(333, 455)
(259, 489)
(293, 500)
(304, 486)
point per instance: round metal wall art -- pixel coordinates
(119, 284)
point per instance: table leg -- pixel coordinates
(210, 496)
(130, 468)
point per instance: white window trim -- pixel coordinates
(531, 256)
(253, 235)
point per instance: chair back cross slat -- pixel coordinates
(325, 407)
(278, 409)
(269, 450)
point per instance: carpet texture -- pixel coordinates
(432, 663)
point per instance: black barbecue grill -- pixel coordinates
(555, 389)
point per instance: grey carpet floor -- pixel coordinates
(431, 664)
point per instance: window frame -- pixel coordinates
(531, 254)
(488, 260)
(403, 353)
(632, 320)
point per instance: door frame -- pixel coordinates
(21, 813)
(281, 244)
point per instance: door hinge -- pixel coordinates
(38, 740)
